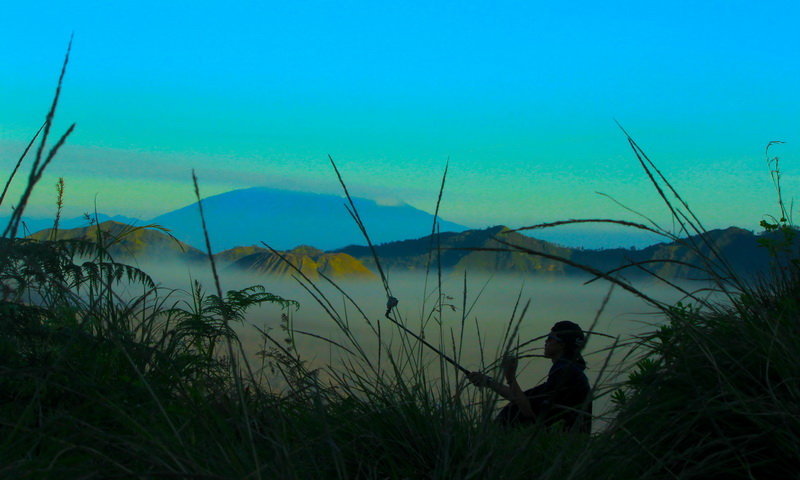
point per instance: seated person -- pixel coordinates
(565, 397)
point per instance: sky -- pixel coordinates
(521, 98)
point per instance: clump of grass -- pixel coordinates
(715, 396)
(714, 393)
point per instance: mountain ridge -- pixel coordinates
(487, 250)
(480, 250)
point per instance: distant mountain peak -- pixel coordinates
(284, 219)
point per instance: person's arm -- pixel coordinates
(515, 393)
(482, 380)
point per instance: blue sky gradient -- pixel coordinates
(520, 96)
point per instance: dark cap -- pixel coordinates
(568, 332)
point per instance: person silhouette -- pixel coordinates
(563, 400)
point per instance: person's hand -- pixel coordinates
(509, 366)
(479, 379)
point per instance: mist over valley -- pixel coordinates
(471, 323)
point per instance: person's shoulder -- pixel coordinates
(567, 368)
(563, 364)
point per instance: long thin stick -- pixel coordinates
(391, 303)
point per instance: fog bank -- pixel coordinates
(476, 314)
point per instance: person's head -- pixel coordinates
(566, 339)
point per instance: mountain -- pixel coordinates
(740, 248)
(231, 255)
(30, 224)
(311, 261)
(285, 219)
(128, 242)
(413, 255)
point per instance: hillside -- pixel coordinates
(31, 225)
(413, 255)
(128, 242)
(226, 257)
(311, 261)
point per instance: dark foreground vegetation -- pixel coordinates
(94, 384)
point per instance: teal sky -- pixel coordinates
(520, 96)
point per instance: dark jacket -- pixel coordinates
(564, 397)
